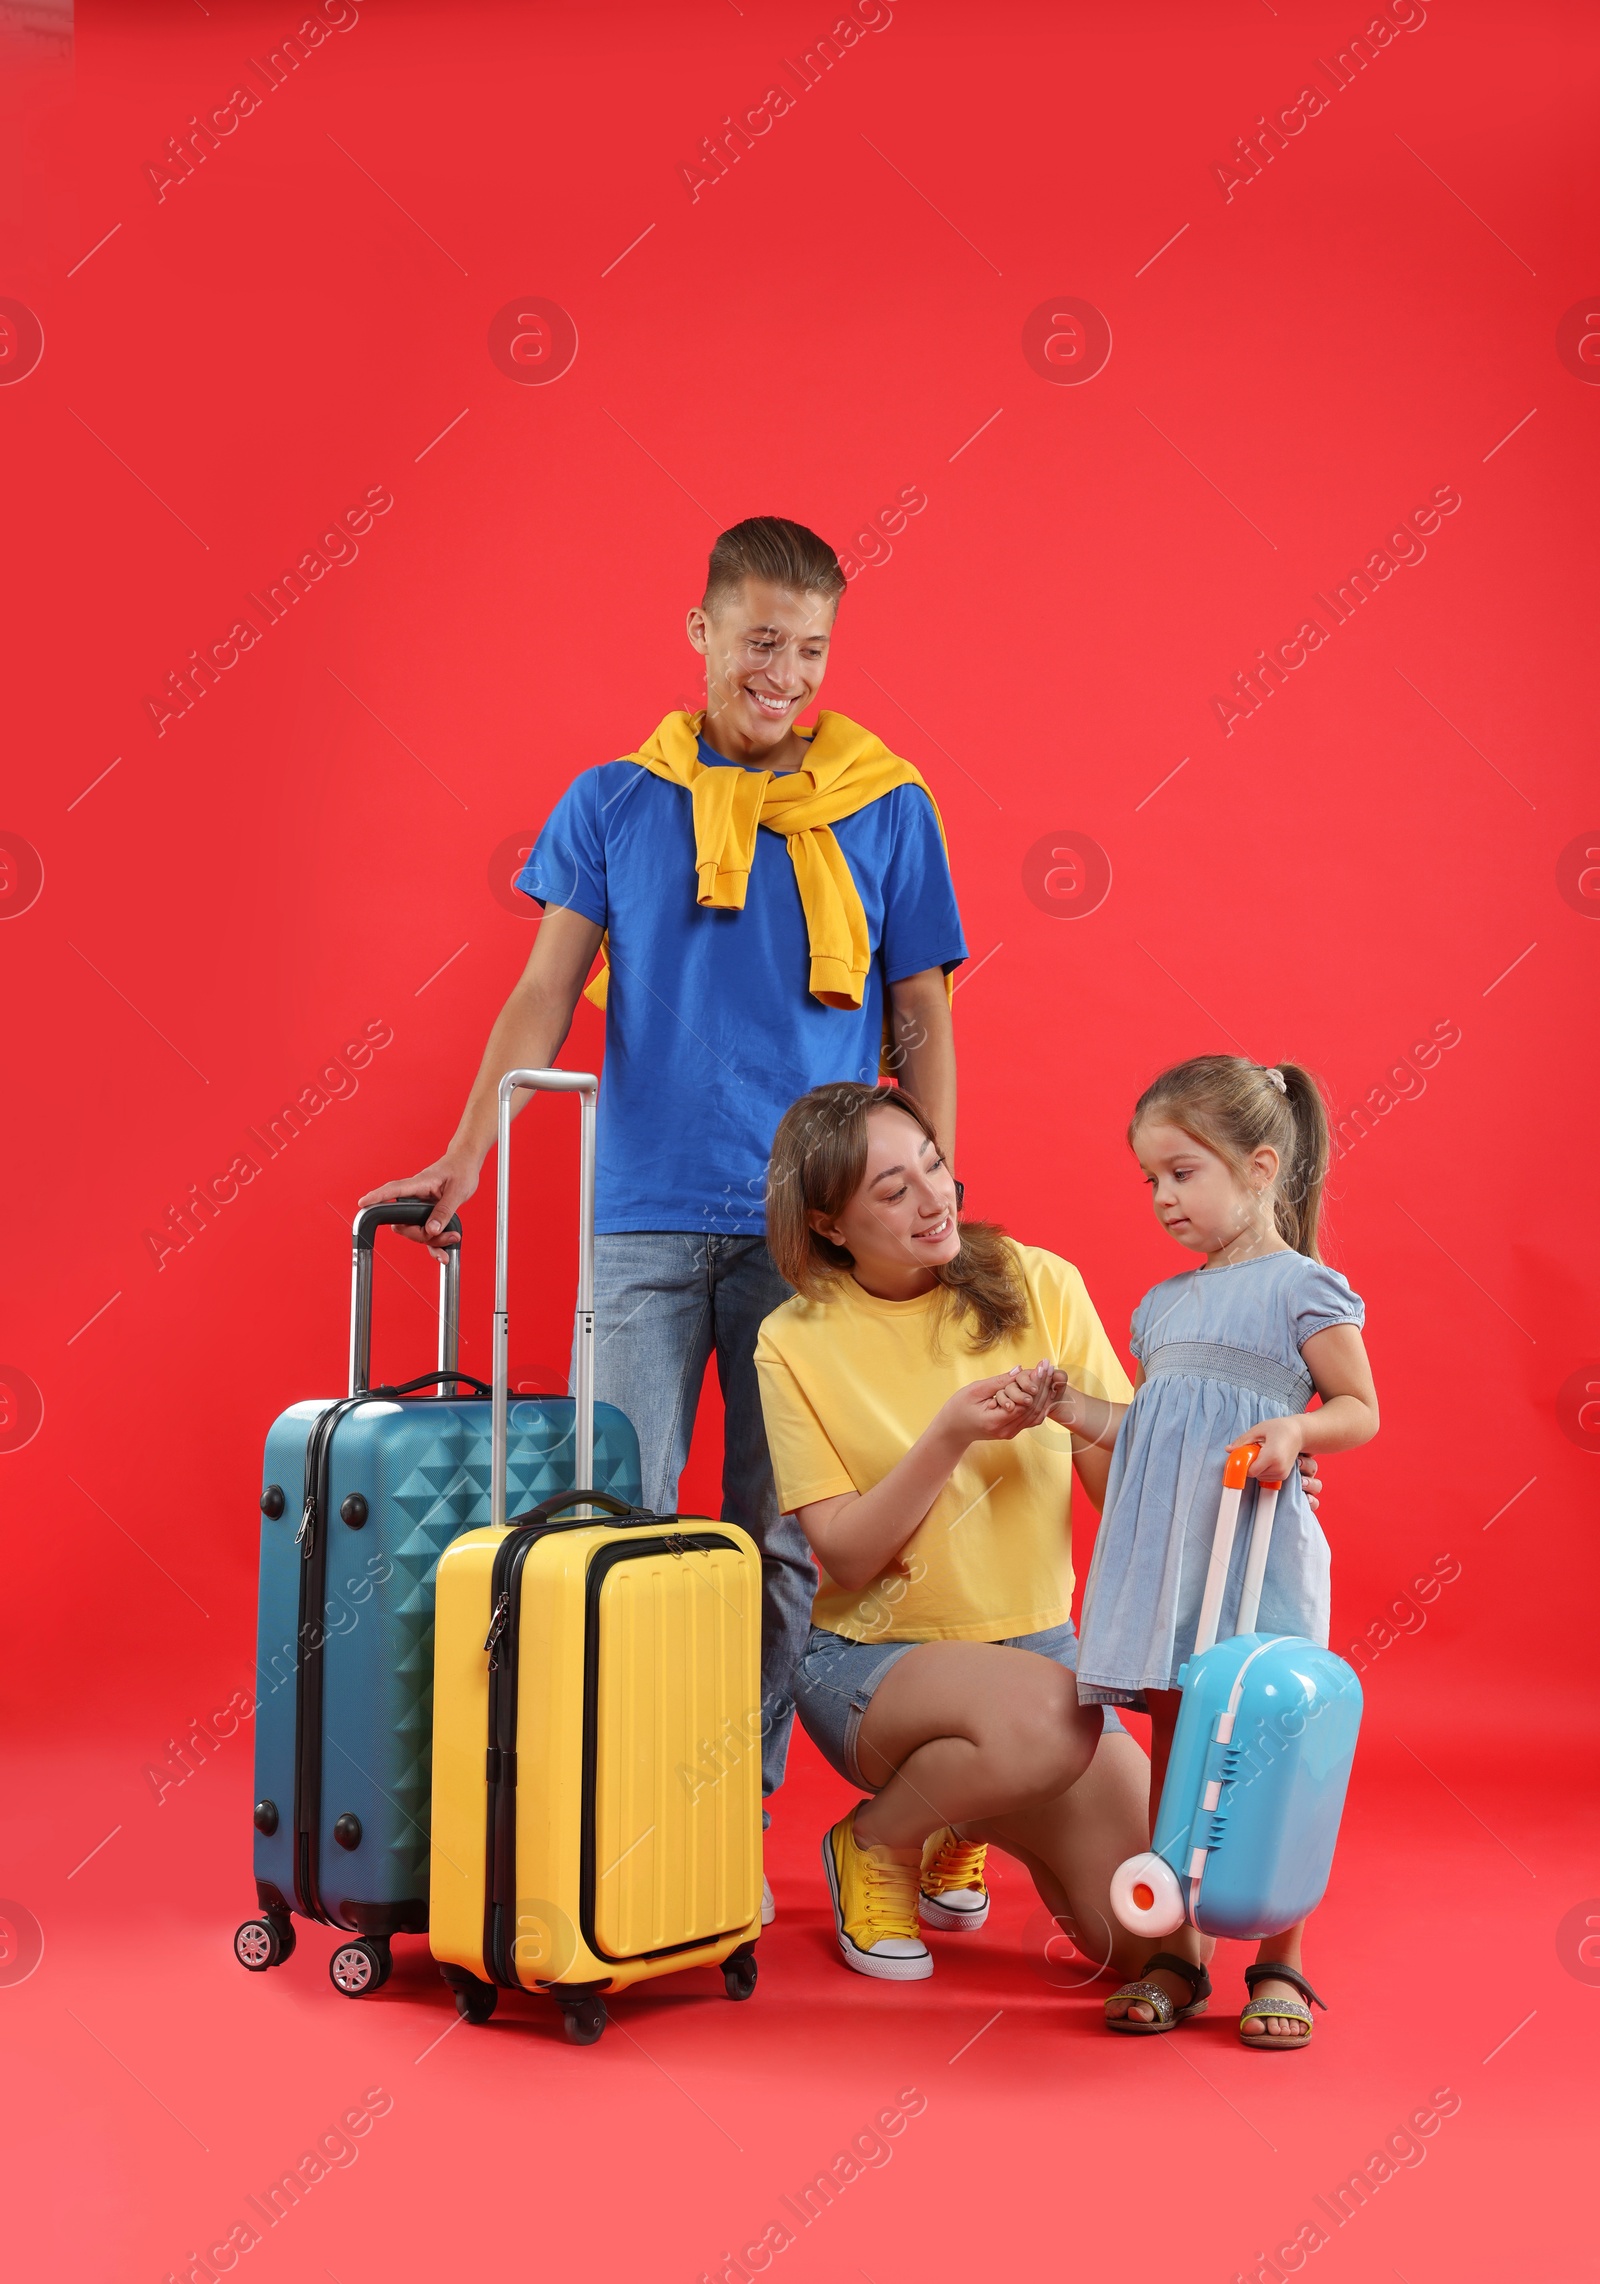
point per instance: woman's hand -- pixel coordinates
(994, 1411)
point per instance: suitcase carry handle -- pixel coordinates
(404, 1213)
(549, 1508)
(1235, 1475)
(429, 1380)
(587, 1088)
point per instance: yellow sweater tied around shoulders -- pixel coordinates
(845, 769)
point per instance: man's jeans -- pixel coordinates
(664, 1299)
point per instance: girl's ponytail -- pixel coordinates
(1297, 1203)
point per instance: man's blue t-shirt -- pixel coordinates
(711, 1029)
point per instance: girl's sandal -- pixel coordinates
(1167, 2016)
(1280, 2009)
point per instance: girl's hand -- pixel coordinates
(1074, 1410)
(1280, 1450)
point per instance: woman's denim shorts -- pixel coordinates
(836, 1680)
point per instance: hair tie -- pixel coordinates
(1275, 1078)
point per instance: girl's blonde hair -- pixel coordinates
(819, 1155)
(1235, 1107)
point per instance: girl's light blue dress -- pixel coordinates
(1221, 1352)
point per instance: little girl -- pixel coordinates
(1235, 1156)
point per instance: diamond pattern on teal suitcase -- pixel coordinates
(445, 1493)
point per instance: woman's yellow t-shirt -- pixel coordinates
(847, 1386)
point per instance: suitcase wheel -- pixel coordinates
(739, 1975)
(583, 2019)
(360, 1966)
(475, 2001)
(1147, 1895)
(263, 1943)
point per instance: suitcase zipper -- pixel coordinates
(497, 1626)
(310, 1638)
(308, 1684)
(500, 1765)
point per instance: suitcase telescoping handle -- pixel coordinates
(587, 1088)
(1234, 1477)
(403, 1213)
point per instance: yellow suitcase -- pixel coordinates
(596, 1719)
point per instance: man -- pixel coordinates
(776, 910)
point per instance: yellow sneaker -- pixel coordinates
(874, 1908)
(951, 1893)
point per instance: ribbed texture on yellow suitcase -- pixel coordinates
(679, 1752)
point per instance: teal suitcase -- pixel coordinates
(1255, 1785)
(360, 1496)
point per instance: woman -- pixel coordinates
(939, 1675)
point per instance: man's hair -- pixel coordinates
(770, 547)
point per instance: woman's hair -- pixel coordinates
(819, 1155)
(1235, 1107)
(770, 547)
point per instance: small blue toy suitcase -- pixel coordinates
(1261, 1757)
(360, 1496)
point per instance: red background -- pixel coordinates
(1377, 851)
